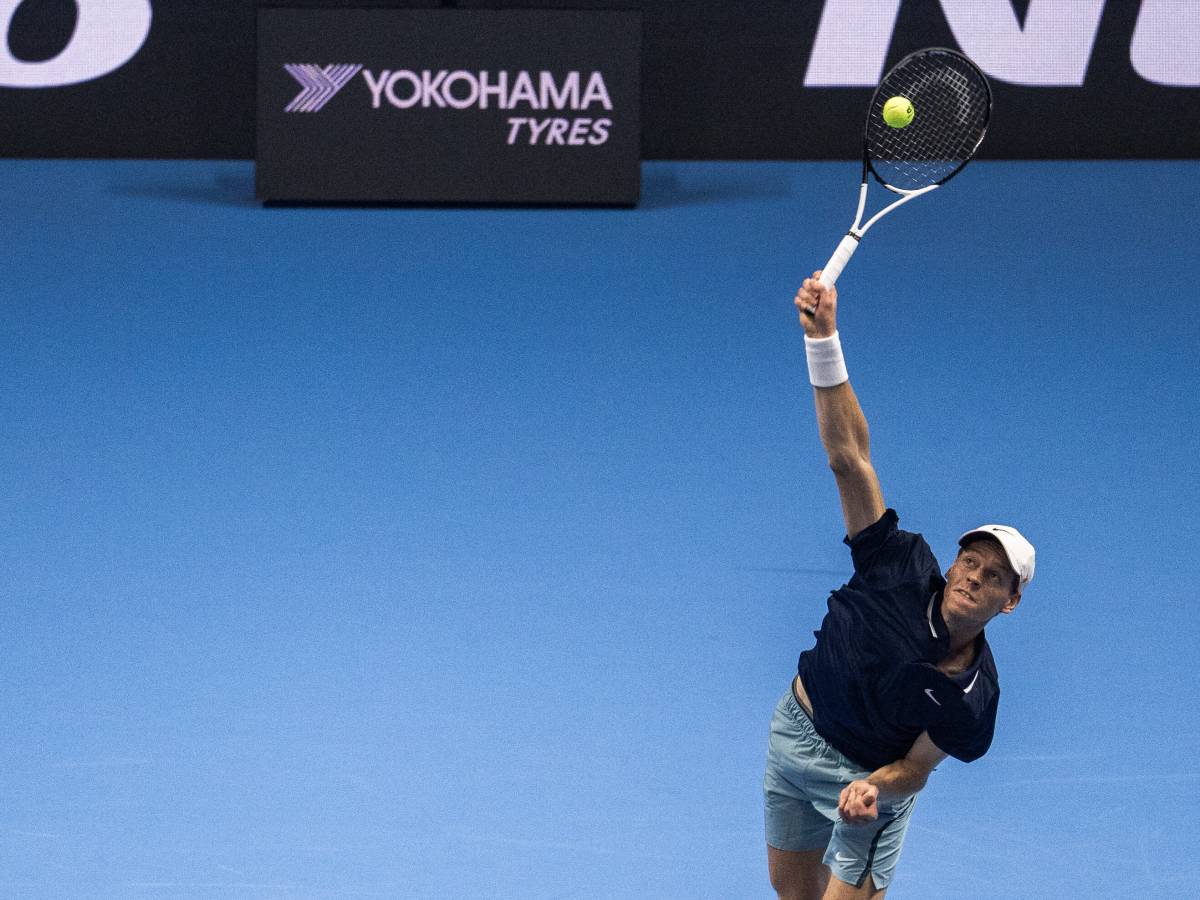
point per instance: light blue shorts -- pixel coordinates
(805, 775)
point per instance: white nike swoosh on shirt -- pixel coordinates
(967, 689)
(929, 691)
(840, 858)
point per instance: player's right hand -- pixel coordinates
(818, 307)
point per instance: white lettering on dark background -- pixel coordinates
(108, 34)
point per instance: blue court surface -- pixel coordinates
(444, 553)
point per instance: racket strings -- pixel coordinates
(952, 104)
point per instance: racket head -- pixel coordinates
(953, 104)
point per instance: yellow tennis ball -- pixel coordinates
(898, 112)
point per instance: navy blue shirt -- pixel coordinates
(872, 676)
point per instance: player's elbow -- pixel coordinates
(846, 462)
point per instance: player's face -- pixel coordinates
(980, 583)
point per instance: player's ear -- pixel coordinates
(1011, 603)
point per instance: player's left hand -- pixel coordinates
(818, 307)
(857, 803)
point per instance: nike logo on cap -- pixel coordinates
(929, 691)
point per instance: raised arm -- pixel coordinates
(840, 420)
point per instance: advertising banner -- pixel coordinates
(494, 106)
(770, 79)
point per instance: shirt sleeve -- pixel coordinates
(884, 555)
(965, 736)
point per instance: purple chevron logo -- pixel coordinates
(320, 84)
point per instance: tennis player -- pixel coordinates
(901, 674)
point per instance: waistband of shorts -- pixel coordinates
(804, 720)
(794, 709)
(796, 700)
(791, 687)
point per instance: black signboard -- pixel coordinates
(773, 79)
(449, 106)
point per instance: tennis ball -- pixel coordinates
(898, 112)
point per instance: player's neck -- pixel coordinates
(963, 639)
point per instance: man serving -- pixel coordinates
(901, 674)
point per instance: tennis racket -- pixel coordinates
(952, 103)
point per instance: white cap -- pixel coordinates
(1018, 550)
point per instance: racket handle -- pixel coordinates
(837, 262)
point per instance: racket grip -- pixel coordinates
(837, 262)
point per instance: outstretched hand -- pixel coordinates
(818, 307)
(857, 804)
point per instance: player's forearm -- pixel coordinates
(899, 779)
(842, 425)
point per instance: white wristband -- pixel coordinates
(826, 367)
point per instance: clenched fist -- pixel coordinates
(857, 803)
(818, 307)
